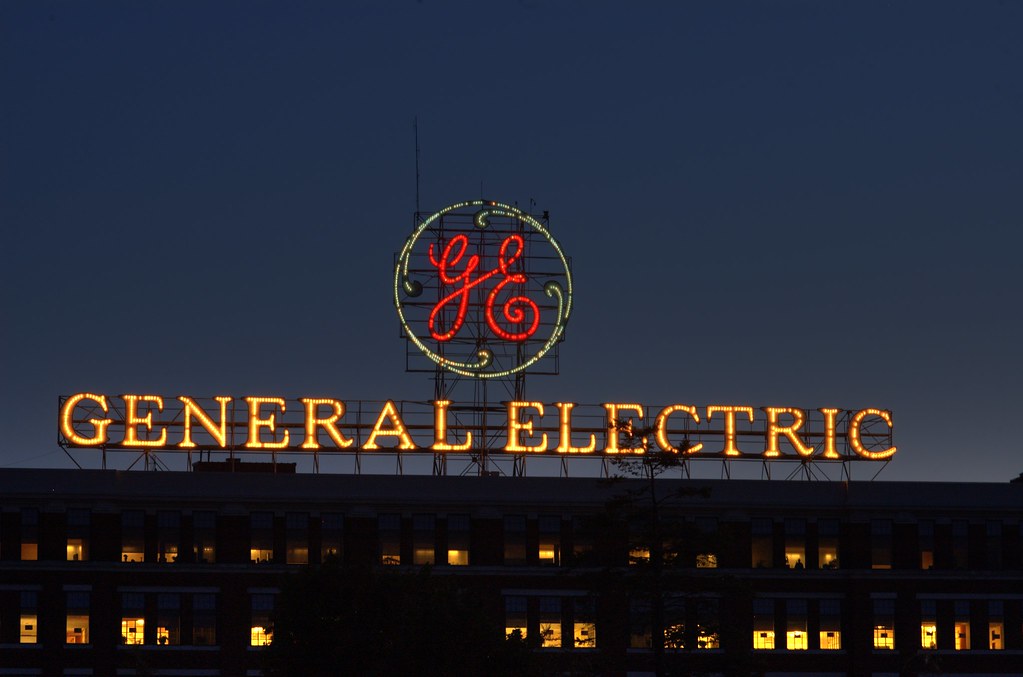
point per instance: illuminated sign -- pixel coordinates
(467, 299)
(276, 424)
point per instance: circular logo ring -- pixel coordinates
(405, 286)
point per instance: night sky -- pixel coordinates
(769, 203)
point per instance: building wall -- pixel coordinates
(868, 561)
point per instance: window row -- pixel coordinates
(132, 536)
(947, 625)
(163, 619)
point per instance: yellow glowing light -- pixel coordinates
(100, 424)
(565, 432)
(831, 640)
(661, 427)
(795, 640)
(929, 635)
(133, 630)
(516, 428)
(763, 639)
(458, 558)
(440, 429)
(270, 423)
(788, 431)
(856, 444)
(328, 423)
(829, 432)
(615, 425)
(730, 411)
(132, 420)
(390, 413)
(884, 637)
(260, 636)
(218, 431)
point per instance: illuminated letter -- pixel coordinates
(854, 434)
(193, 409)
(614, 426)
(730, 412)
(829, 433)
(789, 431)
(132, 420)
(661, 426)
(329, 423)
(440, 429)
(100, 424)
(565, 431)
(515, 427)
(255, 423)
(398, 430)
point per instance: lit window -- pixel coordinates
(262, 632)
(297, 554)
(884, 624)
(584, 629)
(261, 555)
(389, 530)
(763, 624)
(795, 640)
(133, 629)
(77, 620)
(77, 629)
(75, 549)
(763, 542)
(261, 636)
(585, 635)
(515, 616)
(458, 540)
(168, 620)
(763, 639)
(928, 635)
(550, 622)
(549, 527)
(133, 536)
(962, 636)
(639, 555)
(962, 625)
(827, 544)
(204, 536)
(884, 637)
(708, 620)
(795, 543)
(795, 632)
(29, 534)
(925, 530)
(424, 533)
(29, 629)
(928, 624)
(831, 640)
(707, 641)
(675, 635)
(830, 624)
(707, 560)
(995, 631)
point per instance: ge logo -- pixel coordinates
(482, 289)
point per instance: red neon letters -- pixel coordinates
(513, 309)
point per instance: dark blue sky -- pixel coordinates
(787, 203)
